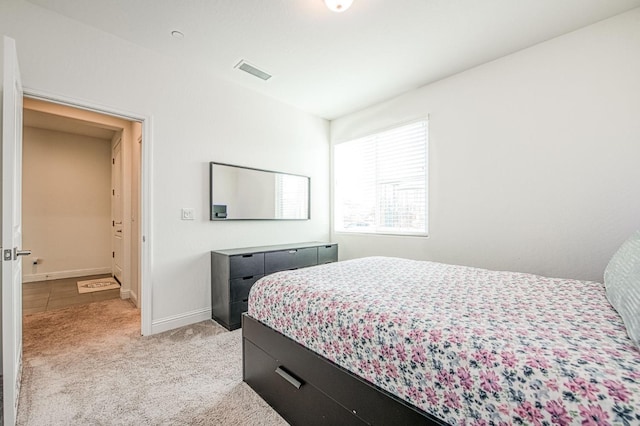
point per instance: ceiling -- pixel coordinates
(331, 64)
(43, 120)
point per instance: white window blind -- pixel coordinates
(381, 182)
(292, 195)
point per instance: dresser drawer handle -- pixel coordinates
(289, 377)
(247, 255)
(245, 300)
(327, 246)
(247, 278)
(293, 251)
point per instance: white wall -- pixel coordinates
(533, 157)
(196, 119)
(66, 204)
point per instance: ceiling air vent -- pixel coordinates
(252, 70)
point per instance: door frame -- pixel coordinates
(146, 184)
(116, 176)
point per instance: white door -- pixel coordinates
(116, 209)
(11, 229)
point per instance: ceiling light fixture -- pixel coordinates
(338, 5)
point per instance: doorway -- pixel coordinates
(96, 230)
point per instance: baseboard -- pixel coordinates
(29, 278)
(133, 298)
(169, 323)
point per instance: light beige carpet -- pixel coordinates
(88, 365)
(98, 284)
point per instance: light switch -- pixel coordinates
(188, 214)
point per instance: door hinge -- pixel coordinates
(113, 223)
(113, 192)
(113, 161)
(7, 254)
(113, 254)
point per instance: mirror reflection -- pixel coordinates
(252, 194)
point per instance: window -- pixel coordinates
(381, 182)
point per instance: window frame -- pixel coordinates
(377, 232)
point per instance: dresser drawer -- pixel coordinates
(235, 271)
(236, 309)
(327, 254)
(246, 265)
(290, 259)
(239, 288)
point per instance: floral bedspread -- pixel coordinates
(467, 345)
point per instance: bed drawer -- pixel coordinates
(279, 388)
(290, 259)
(246, 265)
(327, 254)
(239, 288)
(357, 397)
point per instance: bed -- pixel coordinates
(395, 341)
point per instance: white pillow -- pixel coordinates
(622, 284)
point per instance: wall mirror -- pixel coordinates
(244, 193)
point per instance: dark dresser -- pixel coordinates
(234, 271)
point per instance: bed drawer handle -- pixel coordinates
(288, 377)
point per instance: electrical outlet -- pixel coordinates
(188, 214)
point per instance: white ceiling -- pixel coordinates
(44, 120)
(331, 64)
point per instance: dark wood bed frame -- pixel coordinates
(307, 389)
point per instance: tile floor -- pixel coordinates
(50, 295)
